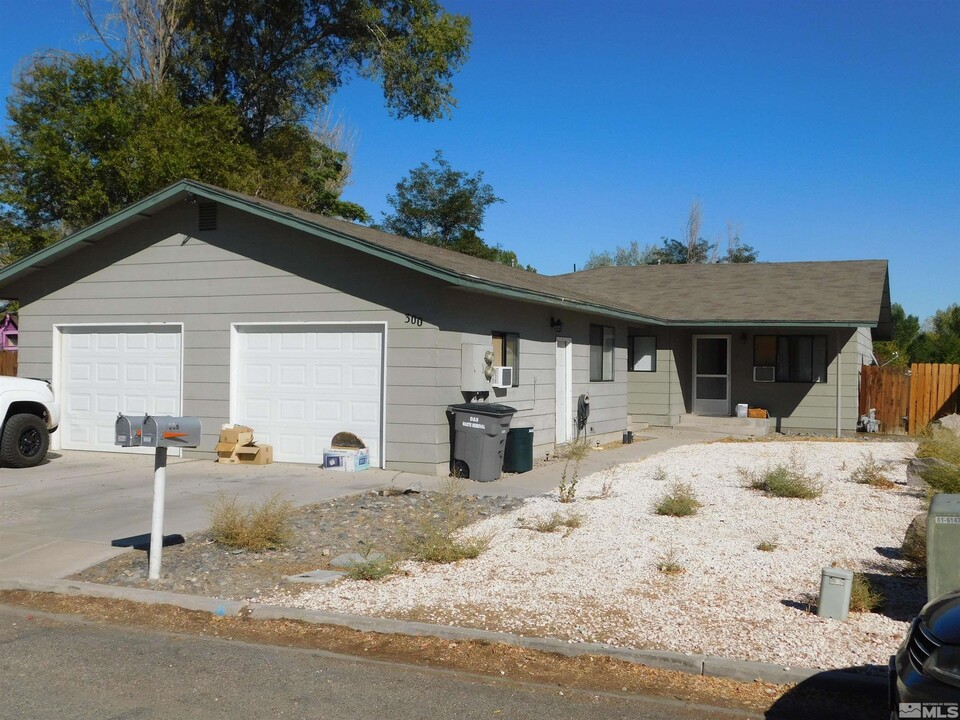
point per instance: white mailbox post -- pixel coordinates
(160, 432)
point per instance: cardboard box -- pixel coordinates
(346, 459)
(757, 413)
(254, 454)
(238, 435)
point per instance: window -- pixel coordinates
(601, 353)
(643, 354)
(506, 353)
(797, 358)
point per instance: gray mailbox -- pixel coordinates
(129, 431)
(169, 431)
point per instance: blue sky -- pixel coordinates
(825, 130)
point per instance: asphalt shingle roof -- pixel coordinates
(851, 293)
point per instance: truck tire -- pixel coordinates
(25, 441)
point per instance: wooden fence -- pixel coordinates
(8, 362)
(909, 401)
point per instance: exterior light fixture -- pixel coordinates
(556, 324)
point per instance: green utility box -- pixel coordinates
(518, 455)
(943, 545)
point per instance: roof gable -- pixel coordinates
(846, 294)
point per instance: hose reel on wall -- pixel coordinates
(583, 413)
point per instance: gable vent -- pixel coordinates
(208, 216)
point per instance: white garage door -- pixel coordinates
(108, 370)
(298, 386)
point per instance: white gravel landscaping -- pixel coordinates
(600, 582)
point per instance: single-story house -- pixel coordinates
(201, 301)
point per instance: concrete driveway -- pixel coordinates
(60, 517)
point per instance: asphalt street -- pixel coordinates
(54, 666)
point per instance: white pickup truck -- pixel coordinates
(30, 413)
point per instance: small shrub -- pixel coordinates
(568, 490)
(577, 450)
(555, 522)
(441, 548)
(863, 597)
(434, 534)
(255, 527)
(669, 564)
(870, 472)
(659, 474)
(767, 545)
(374, 566)
(942, 478)
(939, 442)
(679, 501)
(606, 490)
(914, 546)
(785, 481)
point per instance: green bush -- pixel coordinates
(669, 564)
(255, 527)
(870, 472)
(863, 597)
(939, 442)
(785, 481)
(767, 545)
(557, 521)
(433, 537)
(372, 567)
(942, 478)
(679, 501)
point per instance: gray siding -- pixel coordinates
(656, 397)
(241, 273)
(661, 397)
(254, 271)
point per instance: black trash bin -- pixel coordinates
(518, 454)
(479, 437)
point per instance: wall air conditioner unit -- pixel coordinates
(502, 377)
(764, 373)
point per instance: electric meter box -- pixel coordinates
(171, 431)
(128, 430)
(943, 540)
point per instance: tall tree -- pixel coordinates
(445, 207)
(902, 349)
(84, 142)
(627, 255)
(139, 36)
(692, 249)
(278, 60)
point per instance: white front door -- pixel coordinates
(711, 374)
(564, 421)
(106, 370)
(299, 385)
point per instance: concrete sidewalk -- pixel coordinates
(60, 517)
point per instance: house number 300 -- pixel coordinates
(414, 320)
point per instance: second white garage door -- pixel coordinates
(299, 385)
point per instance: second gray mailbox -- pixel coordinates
(129, 431)
(171, 431)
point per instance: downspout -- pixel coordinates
(839, 378)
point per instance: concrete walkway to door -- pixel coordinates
(60, 517)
